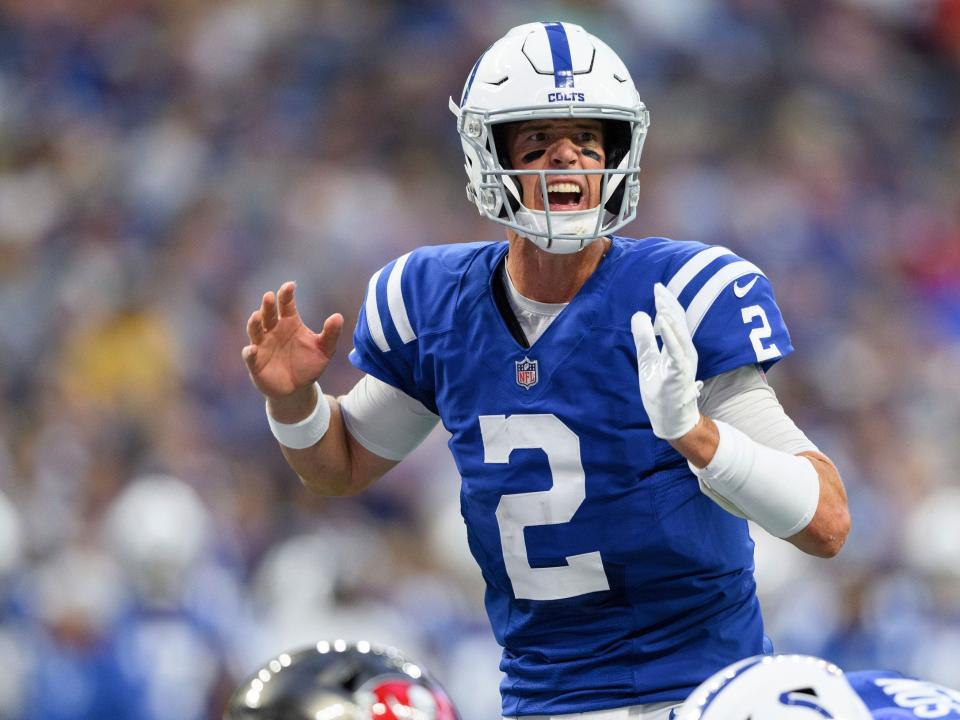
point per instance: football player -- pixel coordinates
(607, 521)
(340, 681)
(799, 687)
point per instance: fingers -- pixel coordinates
(673, 346)
(645, 340)
(288, 306)
(255, 330)
(667, 304)
(330, 334)
(670, 312)
(273, 306)
(268, 311)
(249, 355)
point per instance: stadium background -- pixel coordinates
(162, 163)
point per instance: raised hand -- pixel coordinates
(284, 355)
(668, 385)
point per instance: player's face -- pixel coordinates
(574, 145)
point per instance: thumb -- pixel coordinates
(330, 334)
(643, 337)
(249, 355)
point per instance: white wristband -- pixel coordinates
(775, 489)
(307, 432)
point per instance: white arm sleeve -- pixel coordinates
(743, 399)
(385, 420)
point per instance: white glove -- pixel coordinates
(668, 385)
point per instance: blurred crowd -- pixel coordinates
(165, 162)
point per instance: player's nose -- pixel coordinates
(564, 152)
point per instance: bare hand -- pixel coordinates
(284, 355)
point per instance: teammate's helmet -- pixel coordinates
(785, 687)
(340, 681)
(550, 71)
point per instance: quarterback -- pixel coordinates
(605, 397)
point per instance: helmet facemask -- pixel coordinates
(498, 192)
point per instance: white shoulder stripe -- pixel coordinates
(398, 310)
(705, 297)
(373, 314)
(689, 270)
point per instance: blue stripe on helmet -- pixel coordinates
(560, 49)
(788, 698)
(473, 74)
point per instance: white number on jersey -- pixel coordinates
(758, 335)
(925, 699)
(583, 573)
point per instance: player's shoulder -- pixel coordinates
(680, 264)
(728, 301)
(414, 293)
(438, 263)
(891, 694)
(657, 251)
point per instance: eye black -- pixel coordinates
(591, 154)
(531, 156)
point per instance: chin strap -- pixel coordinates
(579, 223)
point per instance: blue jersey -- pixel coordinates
(892, 696)
(611, 579)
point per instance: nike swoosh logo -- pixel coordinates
(741, 291)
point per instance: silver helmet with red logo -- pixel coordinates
(341, 681)
(551, 71)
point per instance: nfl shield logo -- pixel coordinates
(526, 373)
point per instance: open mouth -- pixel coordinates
(564, 196)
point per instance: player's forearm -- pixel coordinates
(828, 530)
(700, 444)
(325, 467)
(777, 490)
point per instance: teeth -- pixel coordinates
(563, 187)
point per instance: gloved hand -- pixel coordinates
(668, 385)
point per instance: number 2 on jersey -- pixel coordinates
(583, 573)
(759, 334)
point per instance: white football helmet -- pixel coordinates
(159, 529)
(775, 687)
(551, 71)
